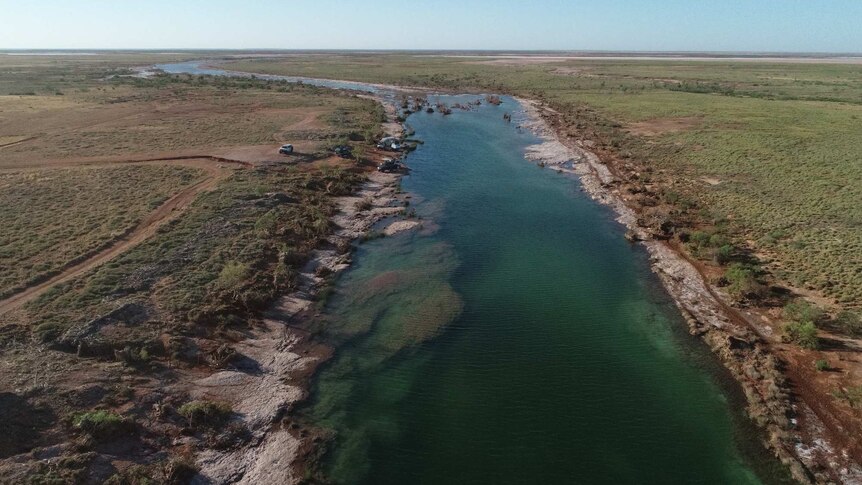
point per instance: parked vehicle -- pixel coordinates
(389, 143)
(389, 165)
(285, 149)
(343, 151)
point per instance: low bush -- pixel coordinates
(848, 323)
(802, 311)
(232, 274)
(742, 281)
(803, 334)
(101, 424)
(205, 413)
(723, 254)
(853, 395)
(822, 365)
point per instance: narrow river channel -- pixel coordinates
(517, 338)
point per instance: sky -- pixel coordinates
(629, 25)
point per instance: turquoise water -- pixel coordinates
(518, 339)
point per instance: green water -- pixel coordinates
(517, 339)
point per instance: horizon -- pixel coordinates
(651, 26)
(575, 53)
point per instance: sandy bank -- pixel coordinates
(286, 354)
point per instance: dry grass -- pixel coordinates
(52, 217)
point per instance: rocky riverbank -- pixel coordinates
(287, 355)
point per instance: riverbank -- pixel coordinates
(801, 444)
(284, 347)
(288, 355)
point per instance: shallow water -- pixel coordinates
(518, 338)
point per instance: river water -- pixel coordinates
(517, 338)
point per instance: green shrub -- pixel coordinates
(723, 254)
(742, 281)
(232, 274)
(47, 331)
(821, 365)
(803, 334)
(205, 413)
(101, 424)
(802, 311)
(180, 470)
(699, 239)
(848, 323)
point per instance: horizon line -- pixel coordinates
(465, 50)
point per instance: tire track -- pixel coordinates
(168, 211)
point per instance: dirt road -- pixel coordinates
(216, 171)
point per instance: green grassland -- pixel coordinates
(780, 143)
(51, 217)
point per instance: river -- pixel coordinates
(517, 337)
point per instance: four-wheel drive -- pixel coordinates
(285, 149)
(343, 151)
(389, 165)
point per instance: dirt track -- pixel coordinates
(168, 211)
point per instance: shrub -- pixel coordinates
(821, 365)
(101, 424)
(699, 238)
(802, 311)
(853, 395)
(848, 323)
(179, 470)
(723, 254)
(47, 331)
(803, 334)
(205, 413)
(232, 274)
(742, 281)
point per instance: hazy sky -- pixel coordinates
(716, 25)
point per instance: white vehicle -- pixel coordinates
(285, 149)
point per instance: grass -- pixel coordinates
(101, 425)
(205, 413)
(780, 139)
(72, 212)
(215, 262)
(125, 116)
